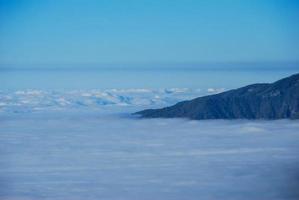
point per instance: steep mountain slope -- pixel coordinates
(258, 101)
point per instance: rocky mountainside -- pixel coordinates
(257, 101)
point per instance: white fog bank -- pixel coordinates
(89, 156)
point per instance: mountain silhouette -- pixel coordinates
(276, 100)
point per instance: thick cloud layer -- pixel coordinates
(67, 156)
(37, 100)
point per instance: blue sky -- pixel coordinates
(147, 31)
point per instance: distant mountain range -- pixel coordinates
(276, 100)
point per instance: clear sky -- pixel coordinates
(145, 31)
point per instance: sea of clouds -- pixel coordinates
(85, 145)
(36, 100)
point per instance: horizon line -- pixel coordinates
(237, 65)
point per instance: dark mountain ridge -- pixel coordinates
(276, 100)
